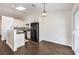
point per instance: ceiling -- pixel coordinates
(6, 9)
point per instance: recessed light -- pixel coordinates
(20, 8)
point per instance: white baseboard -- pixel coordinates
(57, 43)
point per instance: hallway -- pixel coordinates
(32, 48)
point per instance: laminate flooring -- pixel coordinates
(34, 48)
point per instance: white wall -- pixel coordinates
(18, 23)
(56, 27)
(75, 41)
(0, 25)
(6, 26)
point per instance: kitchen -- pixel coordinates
(16, 33)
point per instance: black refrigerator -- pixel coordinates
(35, 31)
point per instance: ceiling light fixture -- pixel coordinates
(44, 11)
(13, 5)
(20, 8)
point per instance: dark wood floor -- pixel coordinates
(41, 48)
(5, 49)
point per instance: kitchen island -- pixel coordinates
(16, 39)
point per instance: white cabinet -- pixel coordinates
(19, 40)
